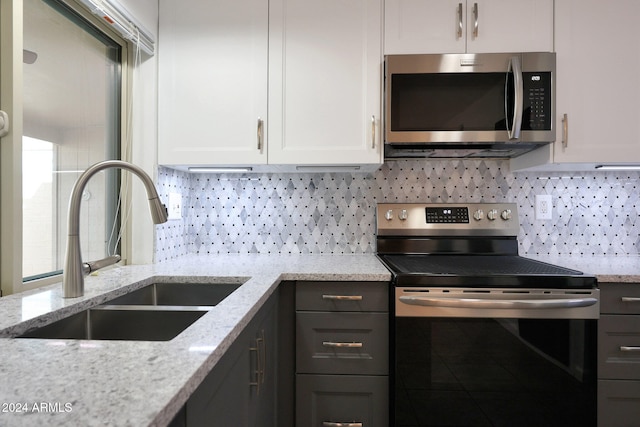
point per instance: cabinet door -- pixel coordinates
(619, 347)
(212, 82)
(453, 26)
(325, 82)
(342, 343)
(222, 398)
(419, 26)
(509, 26)
(262, 406)
(618, 403)
(240, 391)
(335, 400)
(597, 81)
(342, 296)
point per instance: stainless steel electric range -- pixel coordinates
(483, 336)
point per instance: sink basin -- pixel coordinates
(178, 294)
(109, 322)
(157, 312)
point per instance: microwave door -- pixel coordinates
(513, 98)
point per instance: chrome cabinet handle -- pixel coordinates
(4, 124)
(459, 20)
(263, 371)
(627, 348)
(261, 359)
(256, 383)
(504, 304)
(516, 67)
(332, 344)
(373, 131)
(334, 424)
(630, 299)
(260, 133)
(475, 18)
(565, 131)
(343, 297)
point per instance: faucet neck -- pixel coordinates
(73, 275)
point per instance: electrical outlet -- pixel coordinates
(175, 206)
(544, 206)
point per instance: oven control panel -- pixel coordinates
(447, 215)
(424, 219)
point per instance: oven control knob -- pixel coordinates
(506, 214)
(389, 215)
(492, 214)
(478, 215)
(402, 216)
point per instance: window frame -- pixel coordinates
(11, 81)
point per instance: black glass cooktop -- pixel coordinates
(482, 271)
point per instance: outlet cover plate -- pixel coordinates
(544, 207)
(175, 206)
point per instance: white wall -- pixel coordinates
(144, 151)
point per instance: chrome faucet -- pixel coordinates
(75, 269)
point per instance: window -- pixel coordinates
(70, 102)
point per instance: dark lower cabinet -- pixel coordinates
(342, 354)
(618, 403)
(241, 390)
(342, 400)
(619, 355)
(315, 355)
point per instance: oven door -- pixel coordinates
(500, 364)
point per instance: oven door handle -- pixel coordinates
(492, 303)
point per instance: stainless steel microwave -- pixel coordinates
(468, 105)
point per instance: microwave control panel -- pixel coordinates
(537, 101)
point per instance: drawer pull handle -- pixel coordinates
(343, 297)
(342, 344)
(332, 424)
(627, 348)
(630, 299)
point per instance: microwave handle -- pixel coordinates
(516, 67)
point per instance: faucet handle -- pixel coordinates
(89, 267)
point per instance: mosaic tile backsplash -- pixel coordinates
(593, 213)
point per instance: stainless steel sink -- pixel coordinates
(112, 322)
(178, 294)
(157, 312)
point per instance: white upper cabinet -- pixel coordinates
(421, 26)
(261, 84)
(454, 26)
(597, 87)
(598, 81)
(213, 82)
(325, 82)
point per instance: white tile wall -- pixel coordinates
(593, 213)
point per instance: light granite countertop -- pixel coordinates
(608, 269)
(127, 383)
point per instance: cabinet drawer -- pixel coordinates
(620, 298)
(619, 347)
(342, 296)
(328, 400)
(342, 343)
(618, 403)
